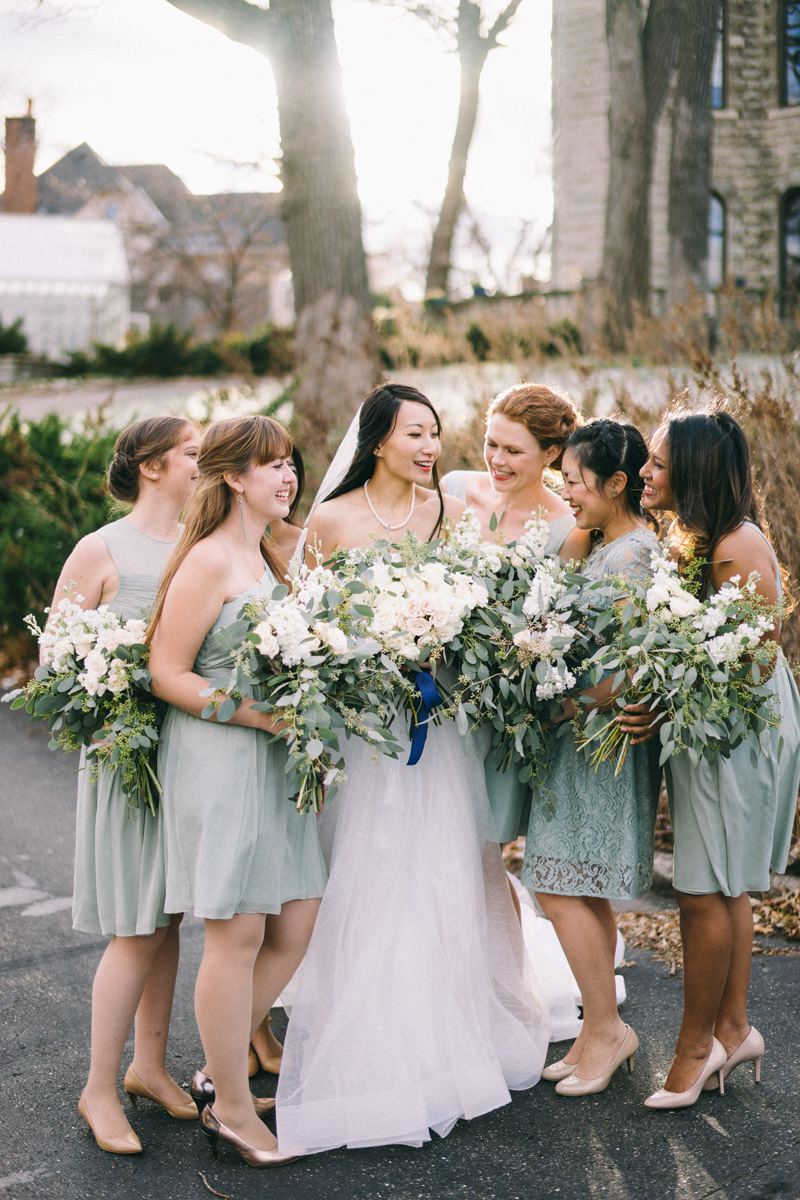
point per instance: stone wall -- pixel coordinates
(756, 152)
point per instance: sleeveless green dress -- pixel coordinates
(119, 859)
(591, 832)
(732, 821)
(509, 797)
(234, 840)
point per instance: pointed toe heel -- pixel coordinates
(128, 1144)
(136, 1090)
(714, 1065)
(218, 1133)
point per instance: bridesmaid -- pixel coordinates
(590, 837)
(526, 429)
(119, 858)
(731, 821)
(265, 1049)
(238, 854)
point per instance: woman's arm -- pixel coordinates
(90, 572)
(192, 604)
(576, 545)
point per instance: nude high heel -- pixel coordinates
(558, 1071)
(216, 1132)
(714, 1065)
(572, 1086)
(270, 1063)
(750, 1050)
(135, 1088)
(129, 1144)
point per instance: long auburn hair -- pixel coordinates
(228, 447)
(376, 422)
(711, 477)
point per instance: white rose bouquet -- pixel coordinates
(310, 674)
(700, 663)
(93, 689)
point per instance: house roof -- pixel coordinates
(48, 250)
(66, 186)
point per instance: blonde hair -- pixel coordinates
(548, 417)
(228, 447)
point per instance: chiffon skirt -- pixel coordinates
(415, 1004)
(119, 879)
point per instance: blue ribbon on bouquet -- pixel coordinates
(426, 698)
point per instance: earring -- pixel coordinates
(241, 517)
(378, 454)
(614, 494)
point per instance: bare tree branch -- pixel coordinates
(502, 23)
(238, 20)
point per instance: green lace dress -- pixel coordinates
(591, 833)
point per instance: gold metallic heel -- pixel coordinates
(216, 1132)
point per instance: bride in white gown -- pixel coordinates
(416, 1004)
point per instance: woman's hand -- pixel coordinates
(566, 712)
(640, 721)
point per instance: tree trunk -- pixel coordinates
(690, 154)
(337, 350)
(472, 52)
(640, 64)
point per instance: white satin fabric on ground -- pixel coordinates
(416, 1004)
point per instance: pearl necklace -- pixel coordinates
(390, 528)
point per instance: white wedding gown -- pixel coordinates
(416, 1003)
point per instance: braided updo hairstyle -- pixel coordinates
(548, 417)
(144, 441)
(606, 447)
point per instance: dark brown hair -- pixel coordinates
(711, 478)
(548, 417)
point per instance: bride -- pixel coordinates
(415, 1004)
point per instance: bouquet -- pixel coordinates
(93, 689)
(315, 678)
(520, 655)
(700, 663)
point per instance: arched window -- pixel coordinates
(789, 51)
(719, 90)
(790, 251)
(715, 270)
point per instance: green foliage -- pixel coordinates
(12, 339)
(52, 493)
(478, 341)
(167, 352)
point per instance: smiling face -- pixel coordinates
(593, 506)
(412, 448)
(655, 473)
(177, 469)
(514, 457)
(267, 488)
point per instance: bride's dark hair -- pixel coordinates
(376, 422)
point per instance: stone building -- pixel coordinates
(754, 210)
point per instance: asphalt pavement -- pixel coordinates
(744, 1145)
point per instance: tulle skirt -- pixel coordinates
(416, 1003)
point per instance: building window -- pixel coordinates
(719, 96)
(789, 51)
(790, 252)
(715, 271)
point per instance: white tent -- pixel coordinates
(67, 278)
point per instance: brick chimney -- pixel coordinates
(21, 194)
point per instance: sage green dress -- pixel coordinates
(732, 821)
(234, 840)
(119, 853)
(509, 797)
(591, 832)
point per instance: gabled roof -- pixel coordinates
(70, 182)
(166, 189)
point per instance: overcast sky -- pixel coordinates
(142, 82)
